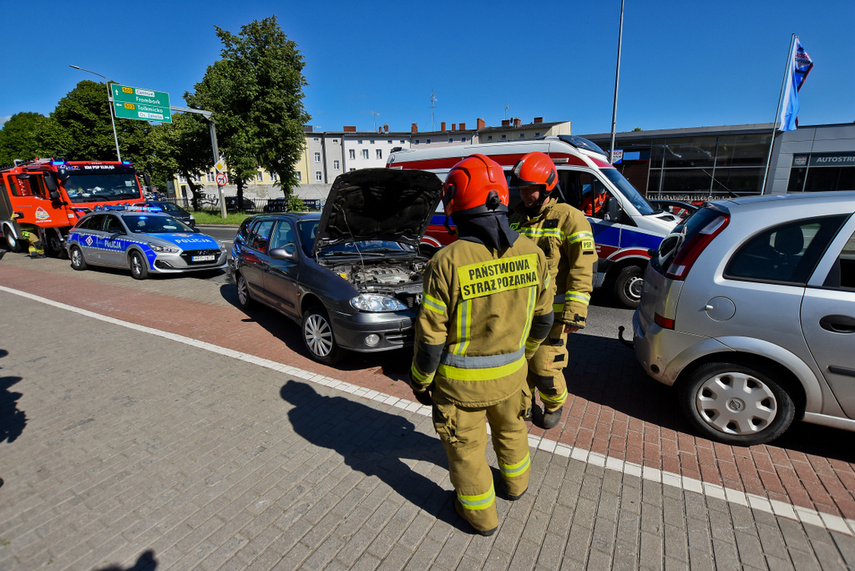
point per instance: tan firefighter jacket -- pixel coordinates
(481, 316)
(558, 229)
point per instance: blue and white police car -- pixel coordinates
(144, 240)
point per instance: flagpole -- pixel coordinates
(778, 110)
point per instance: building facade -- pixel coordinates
(683, 164)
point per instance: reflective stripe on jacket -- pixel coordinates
(480, 317)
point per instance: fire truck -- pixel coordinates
(53, 194)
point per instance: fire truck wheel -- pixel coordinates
(77, 261)
(54, 246)
(139, 266)
(11, 243)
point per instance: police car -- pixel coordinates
(144, 240)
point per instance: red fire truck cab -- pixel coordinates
(53, 194)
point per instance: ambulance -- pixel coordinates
(54, 194)
(625, 225)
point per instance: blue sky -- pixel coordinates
(684, 64)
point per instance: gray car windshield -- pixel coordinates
(143, 224)
(84, 187)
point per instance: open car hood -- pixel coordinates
(378, 204)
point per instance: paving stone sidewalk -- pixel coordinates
(120, 449)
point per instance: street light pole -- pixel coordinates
(109, 104)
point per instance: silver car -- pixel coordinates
(145, 242)
(749, 310)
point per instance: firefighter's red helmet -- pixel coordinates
(536, 169)
(475, 185)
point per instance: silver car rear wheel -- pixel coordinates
(736, 404)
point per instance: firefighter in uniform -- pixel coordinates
(487, 306)
(564, 235)
(32, 234)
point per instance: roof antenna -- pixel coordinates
(433, 100)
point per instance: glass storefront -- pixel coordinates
(696, 167)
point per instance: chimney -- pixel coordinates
(538, 119)
(506, 122)
(481, 124)
(349, 129)
(454, 126)
(442, 126)
(386, 128)
(517, 122)
(463, 126)
(414, 128)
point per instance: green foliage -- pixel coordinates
(256, 94)
(183, 147)
(206, 217)
(20, 137)
(295, 204)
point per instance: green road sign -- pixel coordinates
(142, 112)
(140, 104)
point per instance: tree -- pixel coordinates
(20, 137)
(182, 147)
(256, 94)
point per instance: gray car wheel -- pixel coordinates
(77, 260)
(139, 266)
(318, 336)
(244, 300)
(736, 404)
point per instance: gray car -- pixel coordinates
(350, 276)
(749, 310)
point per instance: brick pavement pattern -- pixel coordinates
(154, 454)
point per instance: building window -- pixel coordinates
(351, 169)
(372, 141)
(274, 177)
(317, 157)
(319, 176)
(522, 135)
(490, 138)
(259, 176)
(299, 176)
(450, 139)
(379, 154)
(335, 141)
(316, 139)
(537, 134)
(364, 153)
(352, 154)
(504, 137)
(211, 176)
(182, 178)
(336, 165)
(417, 141)
(428, 141)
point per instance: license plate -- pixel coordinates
(203, 258)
